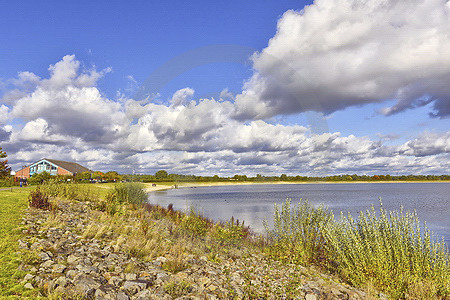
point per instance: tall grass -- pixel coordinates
(390, 251)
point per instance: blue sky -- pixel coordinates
(309, 88)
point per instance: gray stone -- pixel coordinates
(115, 280)
(130, 276)
(133, 287)
(72, 259)
(85, 285)
(122, 296)
(58, 268)
(28, 277)
(47, 264)
(28, 286)
(310, 297)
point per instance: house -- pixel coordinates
(51, 166)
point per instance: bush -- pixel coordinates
(230, 232)
(299, 231)
(392, 252)
(195, 224)
(130, 193)
(124, 193)
(38, 199)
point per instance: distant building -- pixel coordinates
(51, 166)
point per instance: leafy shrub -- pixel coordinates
(390, 251)
(129, 193)
(300, 230)
(195, 224)
(38, 199)
(230, 232)
(393, 251)
(124, 193)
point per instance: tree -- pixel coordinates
(161, 174)
(4, 168)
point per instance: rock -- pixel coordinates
(28, 286)
(122, 296)
(23, 245)
(28, 277)
(135, 286)
(85, 285)
(115, 280)
(310, 297)
(130, 276)
(58, 268)
(72, 259)
(44, 256)
(47, 264)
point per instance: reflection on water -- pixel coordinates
(254, 203)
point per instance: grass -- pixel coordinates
(389, 251)
(12, 207)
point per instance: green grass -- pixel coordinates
(12, 206)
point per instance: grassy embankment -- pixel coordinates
(12, 206)
(388, 252)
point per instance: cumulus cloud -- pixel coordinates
(70, 104)
(67, 117)
(339, 53)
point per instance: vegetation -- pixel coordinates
(4, 168)
(12, 206)
(386, 251)
(164, 176)
(389, 252)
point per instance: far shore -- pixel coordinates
(161, 186)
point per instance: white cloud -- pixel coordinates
(67, 117)
(340, 53)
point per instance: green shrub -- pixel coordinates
(195, 224)
(299, 230)
(230, 233)
(392, 251)
(130, 193)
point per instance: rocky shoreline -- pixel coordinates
(64, 264)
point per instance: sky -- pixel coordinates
(238, 87)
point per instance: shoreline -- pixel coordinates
(167, 186)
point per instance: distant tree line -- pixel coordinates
(163, 175)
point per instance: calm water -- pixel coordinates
(254, 203)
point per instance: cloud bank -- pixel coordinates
(67, 117)
(329, 56)
(340, 53)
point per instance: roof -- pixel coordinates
(69, 166)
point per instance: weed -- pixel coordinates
(38, 199)
(178, 289)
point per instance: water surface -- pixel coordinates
(254, 203)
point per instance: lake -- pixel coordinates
(254, 203)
